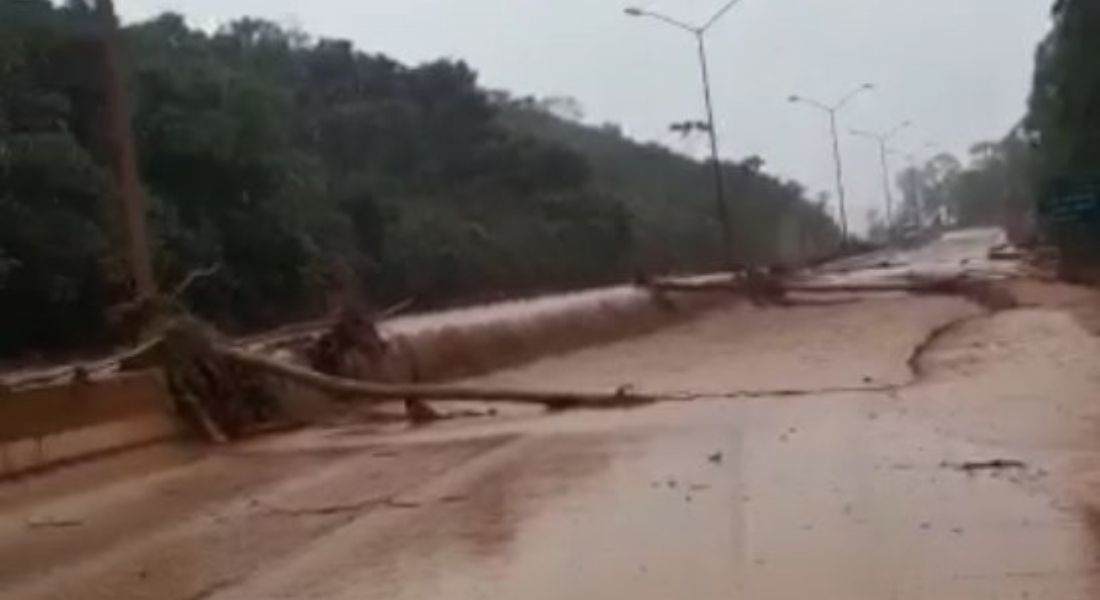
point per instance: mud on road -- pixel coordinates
(934, 450)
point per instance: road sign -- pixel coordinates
(1071, 202)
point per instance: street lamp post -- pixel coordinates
(831, 110)
(881, 139)
(700, 31)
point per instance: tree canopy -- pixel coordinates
(1058, 140)
(993, 187)
(304, 167)
(1064, 111)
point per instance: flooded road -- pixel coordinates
(914, 447)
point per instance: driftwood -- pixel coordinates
(946, 286)
(952, 285)
(302, 334)
(224, 392)
(991, 294)
(344, 389)
(220, 398)
(141, 315)
(354, 347)
(190, 279)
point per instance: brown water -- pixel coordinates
(832, 494)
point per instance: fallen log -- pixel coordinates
(944, 286)
(219, 398)
(344, 389)
(354, 347)
(931, 287)
(223, 391)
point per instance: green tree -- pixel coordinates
(1064, 115)
(304, 165)
(52, 239)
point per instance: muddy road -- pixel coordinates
(899, 447)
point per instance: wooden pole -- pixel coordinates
(120, 147)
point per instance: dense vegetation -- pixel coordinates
(670, 197)
(1064, 112)
(1058, 140)
(994, 187)
(303, 167)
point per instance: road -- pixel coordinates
(911, 447)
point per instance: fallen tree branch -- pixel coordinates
(354, 347)
(778, 393)
(394, 310)
(301, 333)
(996, 464)
(947, 286)
(193, 276)
(931, 286)
(345, 389)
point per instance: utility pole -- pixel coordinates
(120, 148)
(700, 31)
(831, 110)
(716, 164)
(881, 139)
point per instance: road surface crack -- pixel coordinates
(778, 393)
(915, 363)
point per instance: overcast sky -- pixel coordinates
(959, 69)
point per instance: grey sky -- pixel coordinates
(959, 69)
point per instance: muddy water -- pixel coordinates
(806, 500)
(833, 494)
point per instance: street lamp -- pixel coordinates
(832, 110)
(700, 32)
(882, 139)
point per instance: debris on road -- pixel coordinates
(1005, 252)
(349, 388)
(52, 523)
(986, 465)
(395, 503)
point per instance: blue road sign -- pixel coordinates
(1071, 202)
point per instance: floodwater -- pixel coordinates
(864, 478)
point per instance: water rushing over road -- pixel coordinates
(874, 483)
